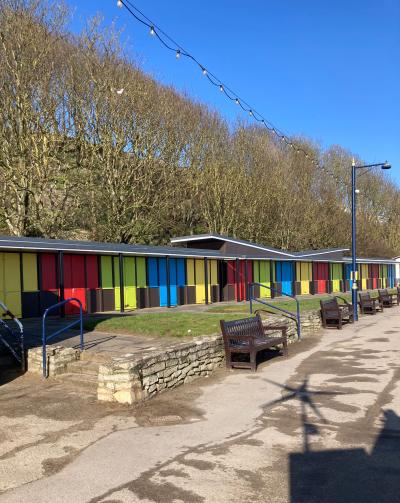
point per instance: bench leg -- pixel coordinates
(253, 362)
(285, 349)
(228, 360)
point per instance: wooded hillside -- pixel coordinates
(79, 160)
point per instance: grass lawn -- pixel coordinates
(307, 304)
(161, 324)
(184, 324)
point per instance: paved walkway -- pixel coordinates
(320, 426)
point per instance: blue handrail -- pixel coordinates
(296, 316)
(45, 338)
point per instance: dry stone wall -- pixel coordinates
(128, 380)
(58, 358)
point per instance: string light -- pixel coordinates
(229, 93)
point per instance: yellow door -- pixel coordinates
(265, 279)
(212, 276)
(117, 289)
(304, 276)
(29, 268)
(190, 272)
(200, 285)
(337, 275)
(364, 275)
(10, 282)
(129, 283)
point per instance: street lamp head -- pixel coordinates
(386, 166)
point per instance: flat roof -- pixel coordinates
(41, 244)
(361, 260)
(74, 246)
(219, 237)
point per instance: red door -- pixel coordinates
(242, 277)
(74, 282)
(231, 276)
(48, 281)
(321, 276)
(375, 275)
(48, 271)
(92, 271)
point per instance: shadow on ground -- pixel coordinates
(350, 475)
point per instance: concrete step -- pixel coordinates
(83, 382)
(84, 368)
(95, 356)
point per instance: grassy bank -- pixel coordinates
(161, 324)
(307, 304)
(190, 324)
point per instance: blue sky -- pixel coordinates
(328, 70)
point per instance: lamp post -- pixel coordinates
(354, 274)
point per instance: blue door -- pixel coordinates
(181, 272)
(152, 272)
(348, 275)
(287, 277)
(284, 275)
(173, 291)
(162, 278)
(391, 275)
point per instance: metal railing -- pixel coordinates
(47, 338)
(294, 316)
(19, 357)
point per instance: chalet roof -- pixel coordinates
(41, 244)
(284, 253)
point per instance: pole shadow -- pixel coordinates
(350, 475)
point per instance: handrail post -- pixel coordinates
(298, 320)
(81, 325)
(278, 308)
(58, 332)
(44, 352)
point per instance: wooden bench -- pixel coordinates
(249, 336)
(387, 299)
(332, 311)
(369, 305)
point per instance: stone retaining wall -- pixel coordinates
(310, 323)
(58, 358)
(128, 380)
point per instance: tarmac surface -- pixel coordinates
(320, 426)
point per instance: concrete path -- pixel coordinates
(320, 426)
